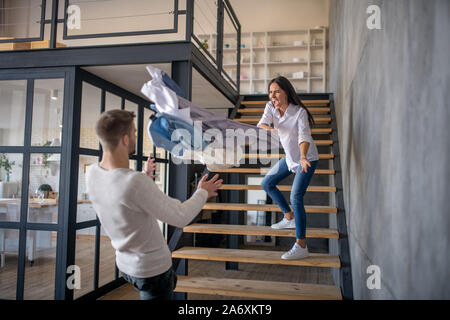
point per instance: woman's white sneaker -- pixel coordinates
(284, 224)
(296, 252)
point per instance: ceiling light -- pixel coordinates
(54, 95)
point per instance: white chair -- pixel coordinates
(13, 214)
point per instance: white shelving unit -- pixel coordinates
(299, 55)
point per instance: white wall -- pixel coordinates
(270, 15)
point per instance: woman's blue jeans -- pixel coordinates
(299, 186)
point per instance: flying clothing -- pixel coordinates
(191, 132)
(166, 131)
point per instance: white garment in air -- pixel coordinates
(128, 205)
(165, 99)
(293, 129)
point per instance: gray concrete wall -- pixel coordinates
(391, 90)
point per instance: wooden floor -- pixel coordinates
(248, 271)
(39, 281)
(40, 278)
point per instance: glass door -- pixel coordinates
(31, 132)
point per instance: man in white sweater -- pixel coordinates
(129, 203)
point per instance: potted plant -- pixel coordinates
(45, 189)
(6, 164)
(205, 44)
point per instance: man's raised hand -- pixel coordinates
(211, 186)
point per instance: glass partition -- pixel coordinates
(91, 100)
(43, 188)
(13, 94)
(205, 27)
(85, 211)
(111, 18)
(10, 186)
(9, 253)
(85, 260)
(22, 20)
(112, 101)
(107, 262)
(40, 268)
(230, 50)
(47, 112)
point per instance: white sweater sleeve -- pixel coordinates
(148, 198)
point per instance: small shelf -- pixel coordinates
(292, 32)
(262, 64)
(316, 46)
(286, 63)
(287, 47)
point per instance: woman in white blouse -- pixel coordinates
(292, 122)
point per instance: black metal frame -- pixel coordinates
(176, 13)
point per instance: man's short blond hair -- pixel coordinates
(112, 126)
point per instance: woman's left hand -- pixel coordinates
(305, 164)
(149, 167)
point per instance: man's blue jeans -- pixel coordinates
(159, 287)
(299, 186)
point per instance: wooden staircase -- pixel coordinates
(250, 112)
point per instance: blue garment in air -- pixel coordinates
(168, 132)
(172, 85)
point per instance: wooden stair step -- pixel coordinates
(321, 131)
(249, 230)
(262, 207)
(326, 142)
(317, 120)
(265, 170)
(255, 256)
(262, 103)
(257, 289)
(280, 187)
(260, 111)
(322, 156)
(323, 142)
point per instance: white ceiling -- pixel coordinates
(132, 78)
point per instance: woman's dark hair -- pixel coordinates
(287, 87)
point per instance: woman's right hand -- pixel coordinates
(211, 186)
